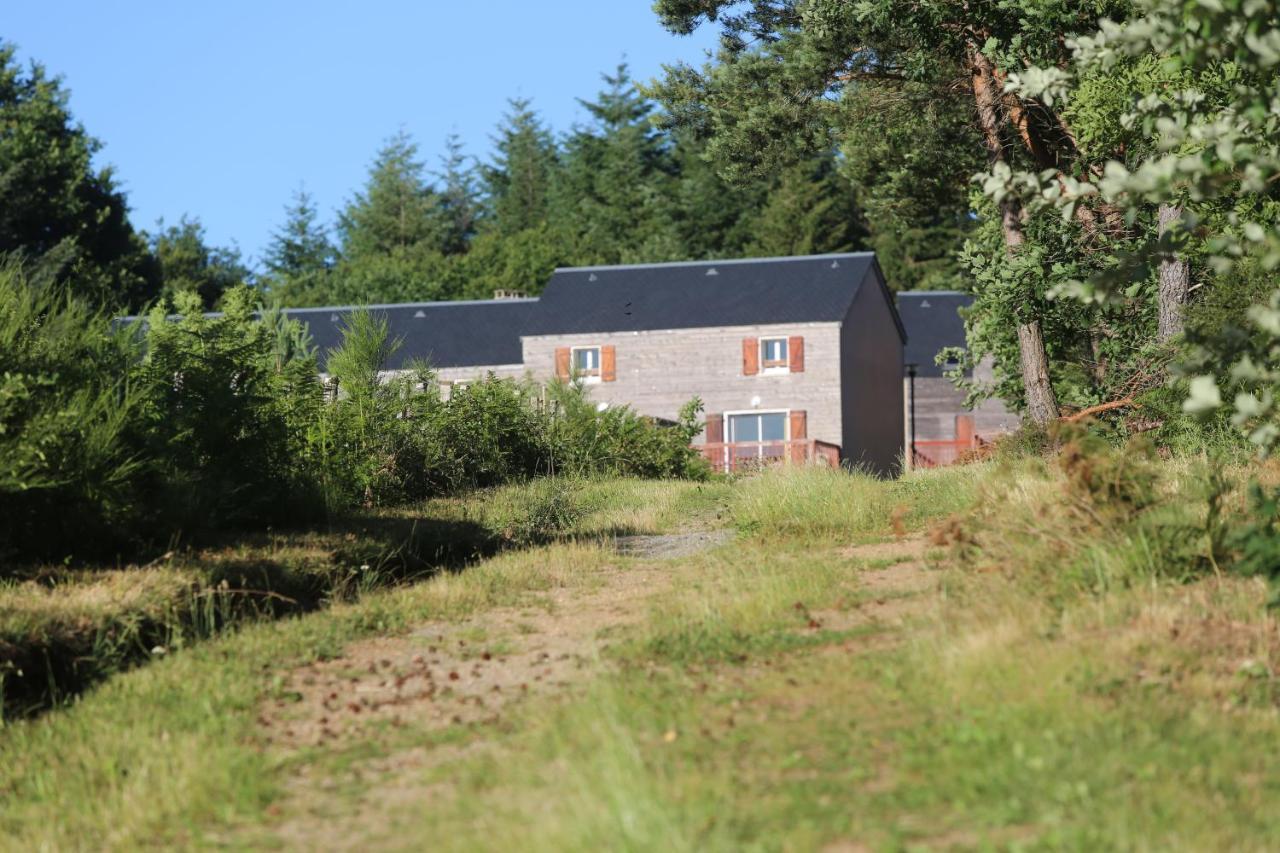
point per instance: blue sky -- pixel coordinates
(221, 109)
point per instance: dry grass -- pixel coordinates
(1052, 683)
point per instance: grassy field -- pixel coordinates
(1013, 655)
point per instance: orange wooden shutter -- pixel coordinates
(795, 349)
(799, 433)
(715, 429)
(562, 362)
(750, 356)
(799, 425)
(608, 364)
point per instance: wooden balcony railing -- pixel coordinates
(726, 457)
(965, 447)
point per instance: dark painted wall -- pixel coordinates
(871, 366)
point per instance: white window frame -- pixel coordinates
(729, 416)
(590, 376)
(785, 366)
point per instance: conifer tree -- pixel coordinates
(300, 256)
(773, 96)
(67, 221)
(519, 181)
(810, 211)
(618, 179)
(397, 208)
(459, 202)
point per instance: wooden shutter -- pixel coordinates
(608, 364)
(795, 350)
(750, 356)
(799, 435)
(715, 429)
(799, 425)
(562, 363)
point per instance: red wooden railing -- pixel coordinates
(967, 445)
(727, 456)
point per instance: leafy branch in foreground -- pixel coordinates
(1212, 136)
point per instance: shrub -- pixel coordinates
(224, 417)
(620, 442)
(68, 471)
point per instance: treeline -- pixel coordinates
(120, 437)
(630, 185)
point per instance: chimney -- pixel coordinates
(509, 294)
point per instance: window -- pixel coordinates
(586, 361)
(758, 426)
(773, 353)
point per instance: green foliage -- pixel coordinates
(619, 442)
(188, 265)
(909, 149)
(391, 438)
(627, 187)
(396, 209)
(1202, 131)
(68, 470)
(1255, 543)
(224, 418)
(299, 256)
(519, 181)
(67, 220)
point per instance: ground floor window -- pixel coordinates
(758, 426)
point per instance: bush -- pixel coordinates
(620, 442)
(68, 470)
(226, 405)
(116, 437)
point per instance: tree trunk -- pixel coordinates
(1042, 404)
(1175, 282)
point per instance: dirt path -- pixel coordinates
(468, 672)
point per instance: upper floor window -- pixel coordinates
(587, 364)
(586, 361)
(773, 353)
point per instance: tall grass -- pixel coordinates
(814, 501)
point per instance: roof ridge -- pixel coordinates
(720, 262)
(439, 303)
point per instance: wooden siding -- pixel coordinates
(872, 363)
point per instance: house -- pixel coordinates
(792, 357)
(942, 427)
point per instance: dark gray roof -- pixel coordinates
(816, 288)
(446, 334)
(933, 322)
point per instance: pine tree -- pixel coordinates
(459, 203)
(713, 217)
(519, 181)
(68, 222)
(396, 210)
(810, 211)
(619, 179)
(299, 257)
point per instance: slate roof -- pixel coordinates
(446, 334)
(685, 295)
(817, 288)
(933, 322)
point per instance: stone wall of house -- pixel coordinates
(659, 371)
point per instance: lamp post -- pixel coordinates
(911, 415)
